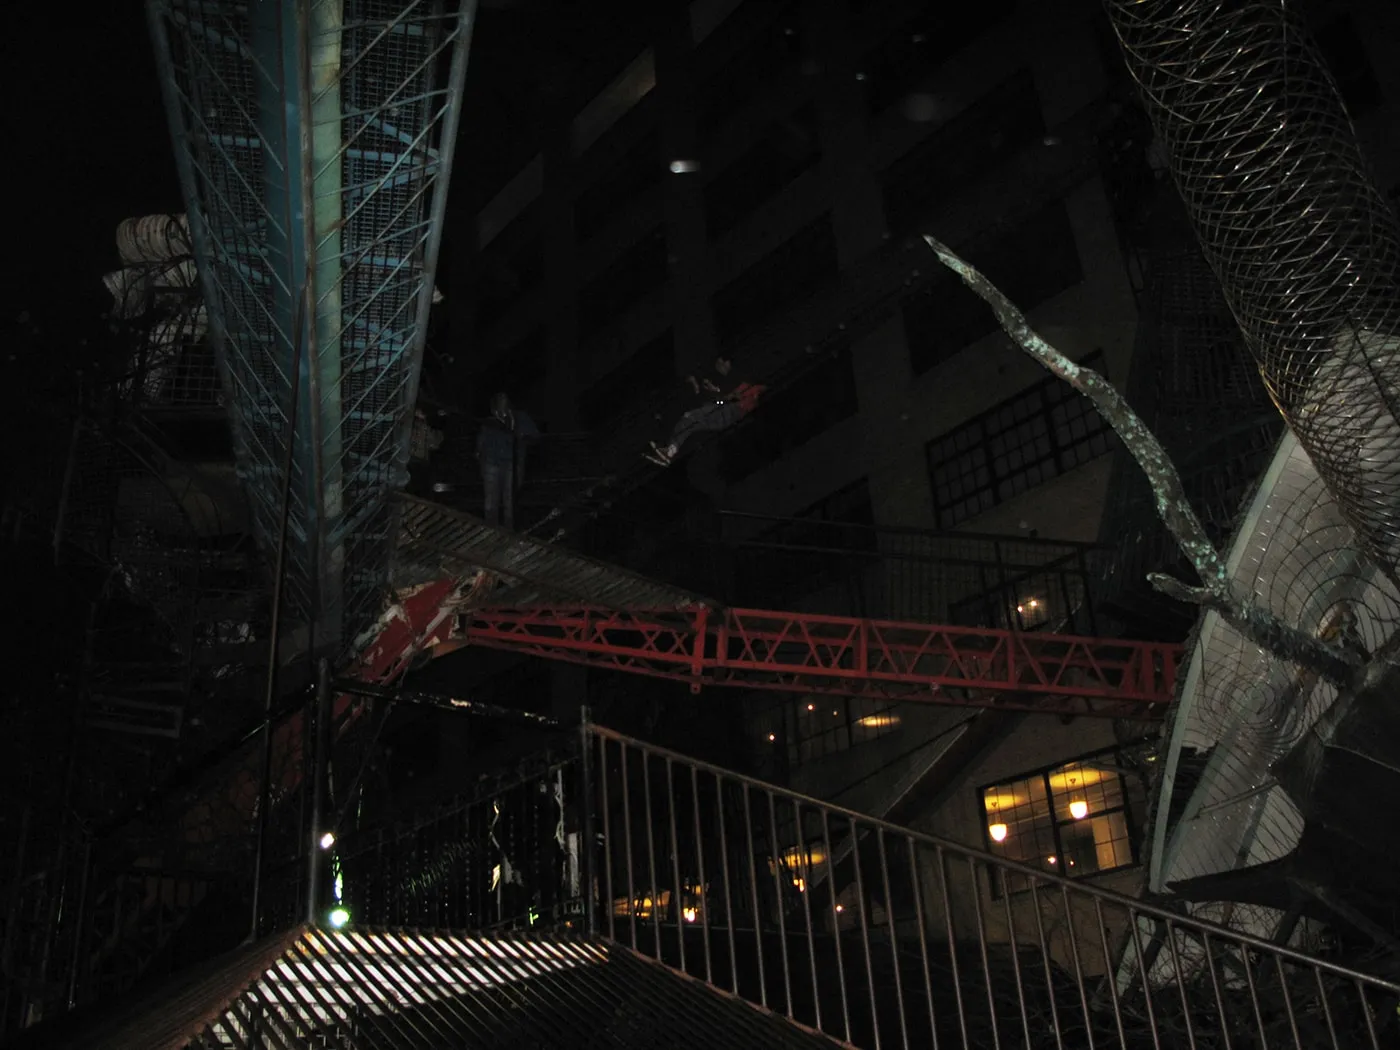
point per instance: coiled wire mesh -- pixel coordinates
(1307, 250)
(1308, 254)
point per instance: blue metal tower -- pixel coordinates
(314, 140)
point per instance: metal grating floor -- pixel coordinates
(372, 989)
(437, 543)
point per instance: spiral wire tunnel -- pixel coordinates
(1308, 255)
(1308, 251)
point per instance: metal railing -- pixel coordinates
(882, 936)
(504, 856)
(969, 579)
(874, 934)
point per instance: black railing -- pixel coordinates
(969, 579)
(872, 933)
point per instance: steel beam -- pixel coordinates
(845, 656)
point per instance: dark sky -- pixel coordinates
(98, 148)
(87, 89)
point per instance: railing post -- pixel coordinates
(585, 812)
(1089, 595)
(75, 970)
(320, 756)
(1006, 600)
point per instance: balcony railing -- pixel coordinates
(872, 933)
(909, 574)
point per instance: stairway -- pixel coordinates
(398, 990)
(707, 925)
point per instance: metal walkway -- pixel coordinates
(405, 990)
(536, 598)
(314, 142)
(490, 587)
(712, 909)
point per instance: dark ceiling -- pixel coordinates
(92, 145)
(535, 63)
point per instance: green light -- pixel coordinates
(339, 917)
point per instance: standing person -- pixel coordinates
(500, 450)
(720, 414)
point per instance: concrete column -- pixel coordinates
(898, 488)
(687, 239)
(560, 247)
(568, 691)
(688, 294)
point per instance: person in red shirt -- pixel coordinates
(714, 416)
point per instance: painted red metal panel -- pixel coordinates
(807, 653)
(418, 619)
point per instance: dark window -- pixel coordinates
(782, 152)
(618, 185)
(779, 281)
(774, 49)
(633, 275)
(1071, 819)
(791, 417)
(841, 521)
(907, 60)
(820, 525)
(1031, 263)
(989, 132)
(812, 727)
(821, 549)
(1346, 57)
(511, 266)
(648, 372)
(1039, 434)
(519, 372)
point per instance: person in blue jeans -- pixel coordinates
(500, 451)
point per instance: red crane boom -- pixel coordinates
(808, 653)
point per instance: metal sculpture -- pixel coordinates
(1308, 254)
(1306, 248)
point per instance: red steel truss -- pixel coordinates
(417, 619)
(804, 653)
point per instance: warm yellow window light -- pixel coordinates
(878, 721)
(998, 832)
(1078, 809)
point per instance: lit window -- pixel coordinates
(1072, 819)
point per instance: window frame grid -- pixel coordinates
(1017, 884)
(970, 450)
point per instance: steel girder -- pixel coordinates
(419, 618)
(844, 656)
(314, 141)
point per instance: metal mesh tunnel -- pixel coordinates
(1308, 256)
(314, 142)
(1306, 248)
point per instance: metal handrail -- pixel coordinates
(760, 900)
(948, 845)
(847, 924)
(958, 535)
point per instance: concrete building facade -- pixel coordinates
(755, 157)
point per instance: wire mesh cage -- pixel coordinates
(1306, 249)
(316, 191)
(1307, 253)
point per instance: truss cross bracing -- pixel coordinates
(806, 653)
(314, 141)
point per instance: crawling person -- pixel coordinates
(712, 417)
